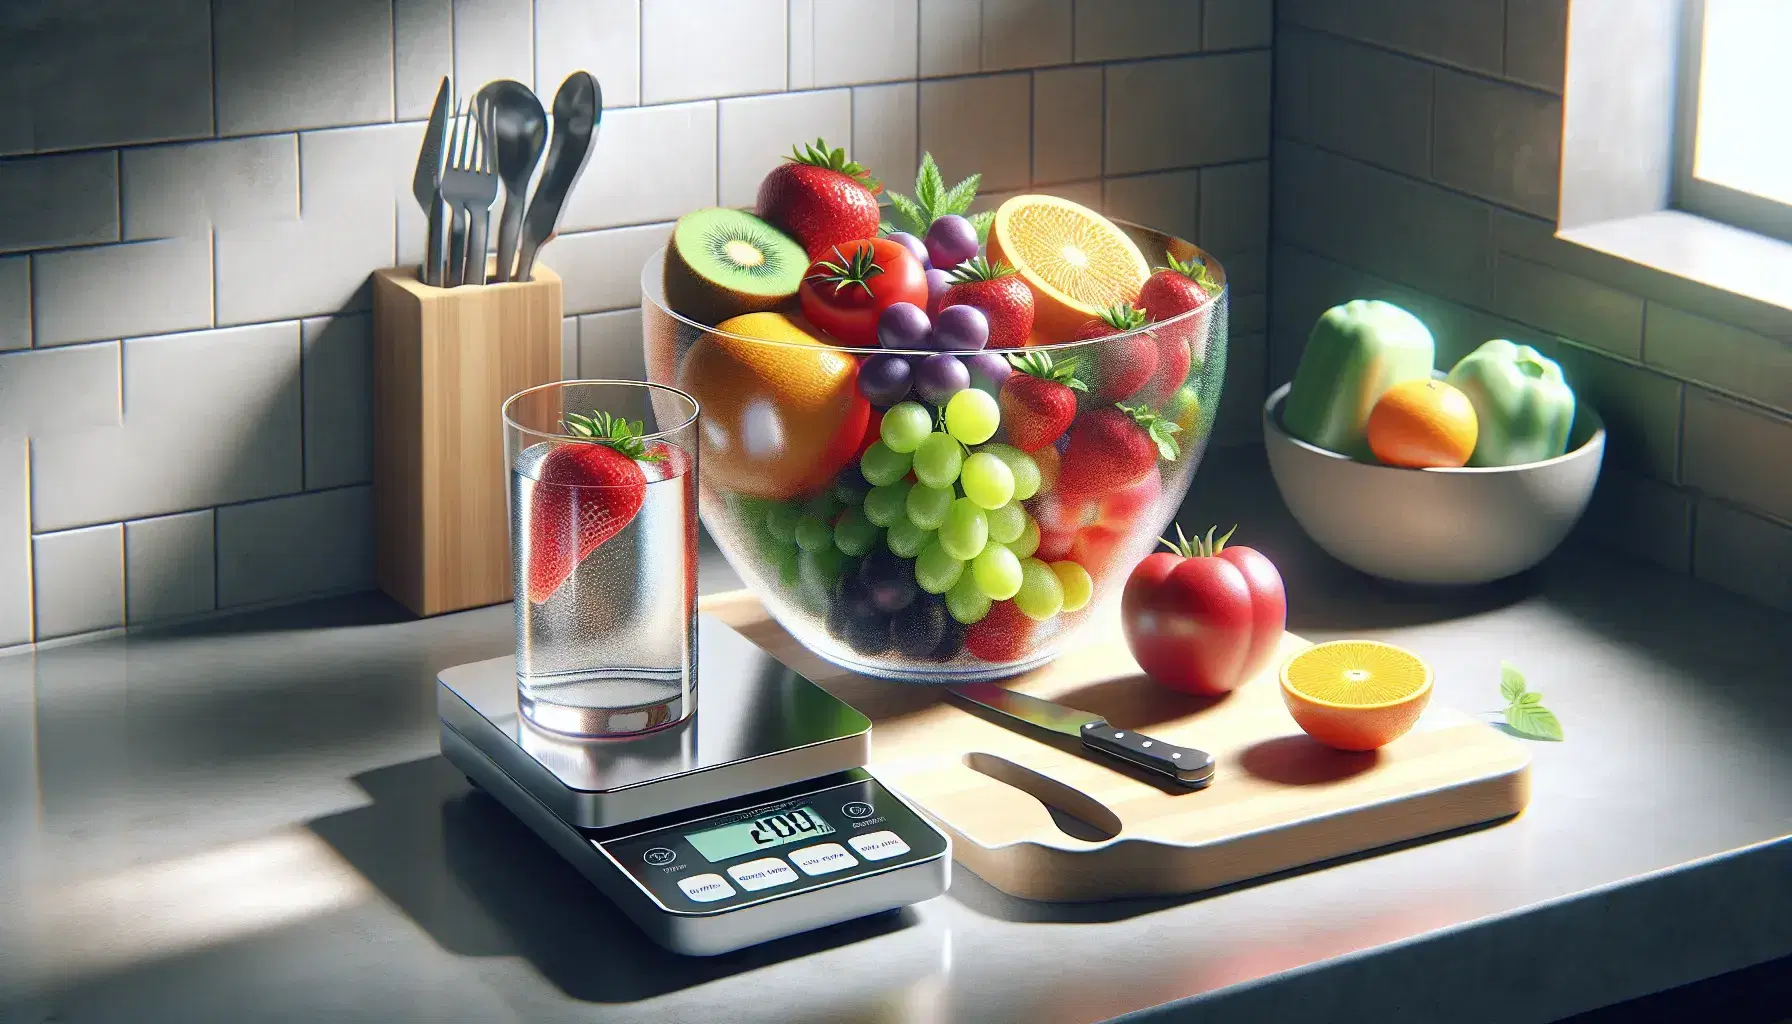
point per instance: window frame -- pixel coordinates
(1695, 195)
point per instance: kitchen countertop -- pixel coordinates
(247, 819)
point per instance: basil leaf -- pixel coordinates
(1530, 697)
(982, 222)
(1534, 720)
(1511, 681)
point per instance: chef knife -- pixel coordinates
(426, 185)
(578, 107)
(1186, 765)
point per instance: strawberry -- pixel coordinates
(1000, 293)
(1119, 508)
(1095, 547)
(1001, 635)
(1038, 401)
(584, 494)
(1172, 291)
(1115, 448)
(1121, 367)
(821, 198)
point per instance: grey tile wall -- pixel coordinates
(1417, 157)
(184, 338)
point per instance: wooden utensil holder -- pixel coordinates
(444, 361)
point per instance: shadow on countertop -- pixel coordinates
(480, 884)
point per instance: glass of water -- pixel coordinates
(603, 544)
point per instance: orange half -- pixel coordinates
(1356, 694)
(1076, 261)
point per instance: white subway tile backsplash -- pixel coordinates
(1640, 408)
(313, 267)
(599, 36)
(337, 366)
(289, 548)
(602, 269)
(493, 39)
(284, 65)
(1237, 24)
(647, 164)
(1235, 207)
(1572, 307)
(849, 42)
(1383, 118)
(78, 580)
(1465, 33)
(1169, 201)
(1066, 124)
(884, 133)
(169, 569)
(700, 49)
(107, 72)
(190, 188)
(1641, 518)
(1743, 553)
(50, 201)
(1729, 358)
(1240, 418)
(52, 390)
(15, 539)
(422, 53)
(361, 170)
(979, 126)
(150, 288)
(1737, 452)
(1248, 314)
(569, 348)
(1164, 114)
(757, 133)
(610, 346)
(1498, 141)
(211, 417)
(1129, 29)
(15, 302)
(1026, 33)
(951, 37)
(1537, 42)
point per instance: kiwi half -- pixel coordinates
(722, 263)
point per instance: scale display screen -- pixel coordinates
(761, 833)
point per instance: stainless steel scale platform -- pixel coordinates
(752, 820)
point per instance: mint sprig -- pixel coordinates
(933, 200)
(1525, 712)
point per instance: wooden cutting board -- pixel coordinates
(1278, 800)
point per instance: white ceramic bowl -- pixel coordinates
(1439, 526)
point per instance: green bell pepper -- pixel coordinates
(1355, 352)
(1523, 406)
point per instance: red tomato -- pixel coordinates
(1205, 619)
(850, 287)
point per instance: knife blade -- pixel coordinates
(1186, 765)
(426, 184)
(578, 108)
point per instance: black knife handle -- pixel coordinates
(1184, 764)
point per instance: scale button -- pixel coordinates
(706, 888)
(763, 873)
(879, 845)
(819, 860)
(857, 809)
(659, 856)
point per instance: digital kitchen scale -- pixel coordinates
(754, 819)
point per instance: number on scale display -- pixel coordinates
(761, 833)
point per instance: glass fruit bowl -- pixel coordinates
(883, 561)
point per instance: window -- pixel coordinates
(1734, 159)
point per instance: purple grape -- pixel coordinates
(912, 244)
(989, 370)
(891, 581)
(950, 241)
(904, 325)
(884, 379)
(960, 329)
(937, 283)
(941, 376)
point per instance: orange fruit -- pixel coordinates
(780, 408)
(1356, 694)
(1423, 424)
(1076, 261)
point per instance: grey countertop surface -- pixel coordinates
(247, 820)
